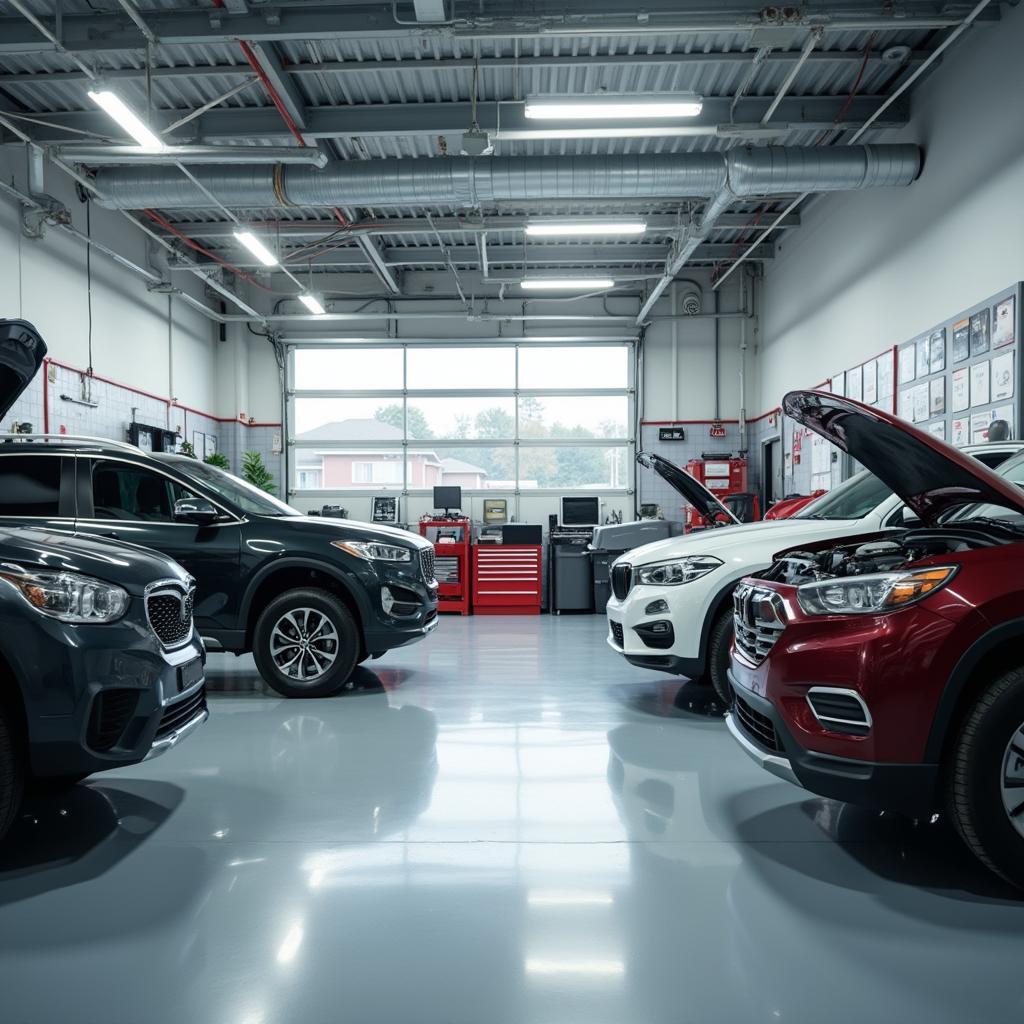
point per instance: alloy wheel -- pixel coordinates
(304, 644)
(1012, 782)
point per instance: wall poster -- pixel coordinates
(870, 375)
(907, 364)
(1002, 377)
(961, 432)
(885, 382)
(839, 383)
(979, 333)
(937, 351)
(980, 390)
(921, 403)
(1004, 322)
(854, 382)
(923, 349)
(961, 341)
(961, 399)
(979, 426)
(938, 429)
(937, 397)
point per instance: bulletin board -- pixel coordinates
(956, 378)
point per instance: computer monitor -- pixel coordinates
(448, 498)
(581, 511)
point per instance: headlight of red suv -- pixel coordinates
(874, 593)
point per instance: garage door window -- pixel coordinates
(539, 416)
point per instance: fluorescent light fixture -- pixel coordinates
(569, 228)
(257, 248)
(616, 107)
(312, 303)
(116, 108)
(564, 284)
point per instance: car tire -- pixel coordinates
(985, 778)
(719, 643)
(12, 770)
(324, 644)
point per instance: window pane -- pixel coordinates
(348, 419)
(29, 485)
(471, 468)
(597, 367)
(347, 468)
(460, 369)
(577, 416)
(458, 417)
(566, 466)
(348, 369)
(120, 491)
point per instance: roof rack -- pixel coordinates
(73, 440)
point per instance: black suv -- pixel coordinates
(100, 664)
(311, 598)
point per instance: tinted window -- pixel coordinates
(30, 485)
(122, 491)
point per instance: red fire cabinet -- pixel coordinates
(506, 579)
(451, 540)
(721, 476)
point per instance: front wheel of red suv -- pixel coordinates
(986, 777)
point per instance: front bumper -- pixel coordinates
(907, 788)
(629, 632)
(104, 696)
(413, 617)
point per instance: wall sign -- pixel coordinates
(671, 434)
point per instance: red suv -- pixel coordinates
(888, 670)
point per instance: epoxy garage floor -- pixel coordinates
(503, 824)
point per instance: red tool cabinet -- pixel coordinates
(506, 579)
(451, 562)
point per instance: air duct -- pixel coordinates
(471, 182)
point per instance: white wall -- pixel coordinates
(134, 341)
(872, 269)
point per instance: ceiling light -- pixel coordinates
(576, 284)
(116, 108)
(257, 248)
(562, 228)
(312, 303)
(606, 106)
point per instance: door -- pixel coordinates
(771, 472)
(133, 502)
(36, 488)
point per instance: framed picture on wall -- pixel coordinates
(921, 403)
(885, 382)
(961, 342)
(937, 351)
(961, 432)
(979, 426)
(1004, 322)
(979, 332)
(923, 356)
(1002, 377)
(980, 390)
(839, 383)
(961, 398)
(854, 383)
(870, 376)
(907, 359)
(937, 396)
(938, 429)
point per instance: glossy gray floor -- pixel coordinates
(503, 824)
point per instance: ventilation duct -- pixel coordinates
(469, 182)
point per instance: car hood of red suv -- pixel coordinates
(931, 476)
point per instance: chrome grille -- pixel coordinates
(757, 616)
(427, 563)
(181, 712)
(622, 580)
(169, 609)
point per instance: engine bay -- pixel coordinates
(888, 554)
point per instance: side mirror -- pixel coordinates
(197, 511)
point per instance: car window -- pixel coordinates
(852, 499)
(133, 493)
(30, 485)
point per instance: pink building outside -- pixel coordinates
(372, 468)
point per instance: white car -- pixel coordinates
(671, 603)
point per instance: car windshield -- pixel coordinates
(852, 499)
(1012, 470)
(238, 492)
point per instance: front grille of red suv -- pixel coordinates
(759, 727)
(758, 621)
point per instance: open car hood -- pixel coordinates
(21, 354)
(691, 489)
(931, 476)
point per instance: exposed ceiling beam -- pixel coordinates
(656, 224)
(371, 252)
(282, 82)
(396, 257)
(105, 32)
(414, 66)
(432, 119)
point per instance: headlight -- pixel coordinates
(679, 570)
(66, 595)
(374, 551)
(867, 595)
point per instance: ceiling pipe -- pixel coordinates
(780, 171)
(99, 156)
(471, 182)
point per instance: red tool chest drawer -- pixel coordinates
(506, 579)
